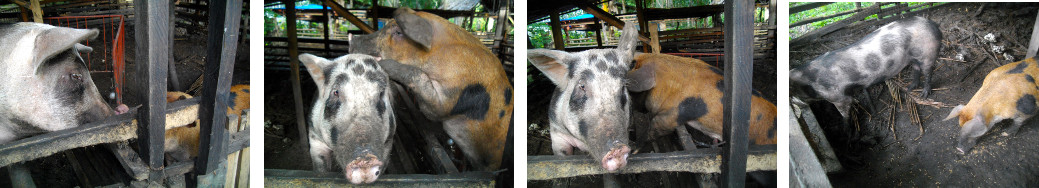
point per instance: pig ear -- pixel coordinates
(83, 49)
(643, 78)
(554, 63)
(629, 38)
(53, 41)
(316, 67)
(413, 26)
(954, 113)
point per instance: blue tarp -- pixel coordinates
(578, 17)
(301, 7)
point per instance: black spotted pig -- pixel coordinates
(688, 92)
(453, 76)
(590, 107)
(1008, 92)
(352, 122)
(45, 83)
(838, 74)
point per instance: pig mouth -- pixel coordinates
(616, 158)
(121, 109)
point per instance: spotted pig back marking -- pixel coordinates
(689, 92)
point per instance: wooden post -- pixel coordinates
(739, 57)
(598, 33)
(174, 82)
(654, 38)
(25, 14)
(221, 50)
(557, 31)
(152, 26)
(297, 94)
(37, 13)
(640, 13)
(1033, 44)
(324, 14)
(374, 14)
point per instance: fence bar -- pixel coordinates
(221, 51)
(152, 56)
(544, 167)
(298, 178)
(739, 57)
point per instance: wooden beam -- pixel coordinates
(153, 44)
(815, 34)
(557, 31)
(640, 13)
(807, 6)
(297, 94)
(324, 14)
(339, 10)
(373, 14)
(299, 178)
(739, 53)
(601, 14)
(544, 167)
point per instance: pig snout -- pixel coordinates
(121, 109)
(363, 169)
(617, 157)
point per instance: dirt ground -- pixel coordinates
(189, 55)
(539, 93)
(891, 151)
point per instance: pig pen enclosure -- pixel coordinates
(127, 149)
(423, 154)
(688, 29)
(904, 141)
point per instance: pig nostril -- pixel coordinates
(377, 172)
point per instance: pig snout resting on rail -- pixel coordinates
(590, 106)
(687, 91)
(45, 82)
(1008, 92)
(836, 75)
(352, 122)
(182, 140)
(452, 75)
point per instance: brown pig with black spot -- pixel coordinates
(452, 75)
(686, 91)
(1008, 92)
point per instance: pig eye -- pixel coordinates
(76, 77)
(580, 87)
(335, 93)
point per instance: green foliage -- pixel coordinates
(832, 9)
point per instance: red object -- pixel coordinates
(111, 30)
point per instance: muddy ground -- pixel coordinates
(539, 93)
(189, 55)
(905, 157)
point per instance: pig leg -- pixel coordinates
(922, 71)
(1014, 127)
(868, 102)
(427, 89)
(321, 155)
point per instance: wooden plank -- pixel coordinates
(640, 12)
(153, 43)
(739, 40)
(601, 14)
(805, 169)
(220, 57)
(324, 14)
(598, 33)
(821, 18)
(172, 78)
(339, 10)
(808, 6)
(557, 32)
(815, 34)
(544, 167)
(299, 178)
(685, 139)
(20, 176)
